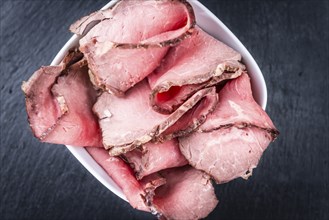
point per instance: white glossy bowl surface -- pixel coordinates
(211, 24)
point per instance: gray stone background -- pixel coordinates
(288, 39)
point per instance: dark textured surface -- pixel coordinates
(288, 39)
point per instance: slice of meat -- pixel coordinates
(129, 122)
(231, 141)
(80, 126)
(122, 24)
(227, 153)
(237, 107)
(42, 109)
(154, 157)
(116, 70)
(138, 193)
(198, 62)
(122, 49)
(188, 194)
(58, 103)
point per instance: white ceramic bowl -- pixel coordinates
(211, 24)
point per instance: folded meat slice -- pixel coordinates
(154, 157)
(59, 101)
(231, 141)
(129, 122)
(122, 49)
(139, 193)
(193, 118)
(198, 62)
(187, 194)
(42, 109)
(237, 107)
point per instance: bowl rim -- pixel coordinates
(257, 78)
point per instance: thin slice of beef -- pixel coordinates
(43, 110)
(129, 122)
(198, 62)
(59, 101)
(131, 39)
(176, 193)
(231, 141)
(187, 194)
(154, 157)
(226, 153)
(162, 21)
(80, 126)
(237, 107)
(138, 193)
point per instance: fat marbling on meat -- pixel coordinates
(231, 141)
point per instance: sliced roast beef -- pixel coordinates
(163, 22)
(237, 107)
(129, 122)
(198, 62)
(43, 110)
(138, 193)
(176, 193)
(154, 157)
(59, 101)
(187, 194)
(226, 153)
(131, 39)
(193, 118)
(231, 141)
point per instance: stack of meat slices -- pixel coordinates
(161, 105)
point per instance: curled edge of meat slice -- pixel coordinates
(38, 96)
(49, 110)
(169, 92)
(38, 104)
(84, 24)
(193, 118)
(224, 71)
